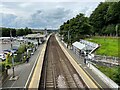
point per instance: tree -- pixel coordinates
(113, 14)
(22, 48)
(27, 31)
(13, 32)
(20, 32)
(5, 32)
(78, 27)
(97, 17)
(110, 30)
(117, 76)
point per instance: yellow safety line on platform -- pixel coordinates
(37, 73)
(80, 71)
(38, 69)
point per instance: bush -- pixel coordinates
(8, 66)
(117, 76)
(18, 57)
(22, 49)
(110, 30)
(2, 67)
(24, 57)
(111, 72)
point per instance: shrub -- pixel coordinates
(22, 48)
(2, 67)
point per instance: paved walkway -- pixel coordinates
(23, 71)
(80, 61)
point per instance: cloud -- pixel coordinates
(49, 18)
(40, 19)
(24, 5)
(7, 19)
(52, 0)
(42, 14)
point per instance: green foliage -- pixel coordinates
(8, 59)
(111, 72)
(117, 76)
(27, 31)
(2, 67)
(108, 45)
(77, 28)
(103, 21)
(8, 66)
(105, 17)
(22, 48)
(113, 14)
(24, 58)
(5, 32)
(18, 57)
(97, 17)
(21, 32)
(31, 45)
(110, 30)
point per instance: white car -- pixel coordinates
(2, 57)
(32, 53)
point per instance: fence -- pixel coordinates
(107, 59)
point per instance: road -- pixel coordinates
(57, 71)
(23, 71)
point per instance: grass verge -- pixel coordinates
(112, 72)
(108, 45)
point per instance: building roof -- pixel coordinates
(86, 46)
(38, 35)
(78, 45)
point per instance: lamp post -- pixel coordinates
(12, 55)
(68, 37)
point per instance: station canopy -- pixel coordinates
(78, 45)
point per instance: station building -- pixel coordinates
(84, 48)
(39, 37)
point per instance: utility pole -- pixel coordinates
(68, 38)
(13, 76)
(68, 35)
(12, 54)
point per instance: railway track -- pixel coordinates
(57, 72)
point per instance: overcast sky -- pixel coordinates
(42, 13)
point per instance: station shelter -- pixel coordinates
(84, 48)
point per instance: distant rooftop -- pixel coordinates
(78, 45)
(38, 35)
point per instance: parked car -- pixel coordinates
(32, 53)
(6, 51)
(2, 57)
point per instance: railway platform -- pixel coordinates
(78, 77)
(90, 73)
(52, 68)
